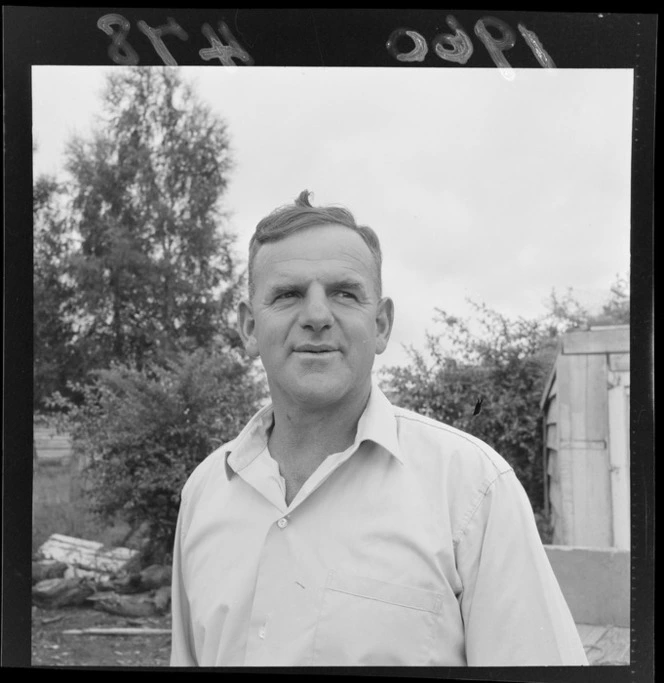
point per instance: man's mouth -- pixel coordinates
(315, 349)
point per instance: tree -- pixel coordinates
(143, 431)
(55, 357)
(616, 310)
(153, 272)
(566, 312)
(136, 279)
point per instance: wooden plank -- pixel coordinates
(554, 496)
(55, 442)
(552, 411)
(564, 529)
(595, 490)
(552, 465)
(598, 340)
(128, 631)
(583, 445)
(619, 362)
(565, 526)
(576, 398)
(564, 407)
(85, 555)
(551, 378)
(50, 435)
(619, 462)
(585, 480)
(592, 525)
(51, 446)
(545, 468)
(79, 542)
(595, 405)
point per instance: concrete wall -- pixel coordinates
(595, 583)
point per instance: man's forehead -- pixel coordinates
(331, 245)
(337, 250)
(302, 272)
(326, 276)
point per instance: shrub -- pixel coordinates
(142, 432)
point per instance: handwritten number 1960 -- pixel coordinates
(458, 47)
(121, 52)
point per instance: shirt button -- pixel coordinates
(282, 523)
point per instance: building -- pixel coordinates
(586, 439)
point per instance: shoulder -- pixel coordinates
(436, 443)
(458, 470)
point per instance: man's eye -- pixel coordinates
(345, 295)
(286, 295)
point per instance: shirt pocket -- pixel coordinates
(365, 622)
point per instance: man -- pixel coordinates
(337, 529)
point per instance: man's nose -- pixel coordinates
(315, 312)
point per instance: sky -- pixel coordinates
(480, 188)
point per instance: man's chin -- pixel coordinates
(320, 392)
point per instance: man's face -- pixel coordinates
(315, 318)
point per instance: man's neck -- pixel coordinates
(302, 437)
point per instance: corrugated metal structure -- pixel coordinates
(586, 439)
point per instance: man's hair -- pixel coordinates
(300, 215)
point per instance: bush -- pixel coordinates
(488, 383)
(486, 377)
(142, 432)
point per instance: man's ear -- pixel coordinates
(246, 327)
(384, 322)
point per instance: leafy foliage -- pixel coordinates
(566, 312)
(153, 273)
(143, 431)
(497, 366)
(55, 356)
(135, 288)
(499, 371)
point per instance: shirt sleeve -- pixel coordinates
(513, 609)
(182, 647)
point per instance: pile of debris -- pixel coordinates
(70, 571)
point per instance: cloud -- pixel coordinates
(478, 187)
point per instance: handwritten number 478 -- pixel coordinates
(225, 49)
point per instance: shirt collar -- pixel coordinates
(377, 423)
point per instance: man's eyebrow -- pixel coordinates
(282, 288)
(293, 285)
(353, 285)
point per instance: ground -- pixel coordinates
(52, 647)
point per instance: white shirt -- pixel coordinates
(415, 546)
